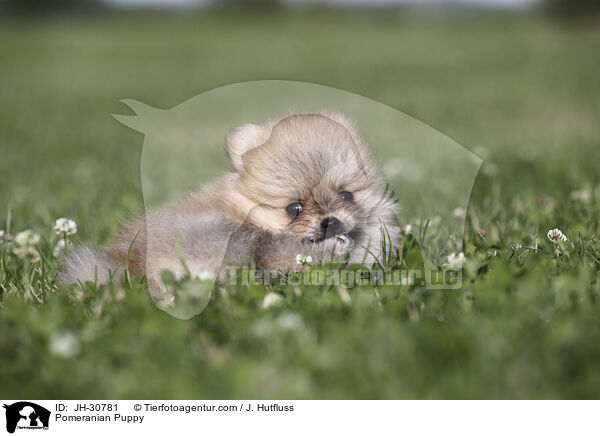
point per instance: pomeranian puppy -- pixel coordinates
(301, 184)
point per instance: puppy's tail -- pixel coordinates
(84, 264)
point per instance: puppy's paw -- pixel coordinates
(343, 245)
(337, 248)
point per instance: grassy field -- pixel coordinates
(521, 92)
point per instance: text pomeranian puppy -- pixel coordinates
(301, 184)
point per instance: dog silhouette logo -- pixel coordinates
(26, 415)
(429, 174)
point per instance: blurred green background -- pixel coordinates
(519, 87)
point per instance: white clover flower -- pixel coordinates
(5, 237)
(27, 238)
(26, 242)
(205, 275)
(303, 260)
(65, 227)
(392, 168)
(405, 169)
(407, 281)
(455, 260)
(64, 344)
(407, 228)
(290, 321)
(489, 168)
(556, 236)
(583, 195)
(60, 248)
(459, 212)
(27, 252)
(435, 220)
(261, 328)
(271, 299)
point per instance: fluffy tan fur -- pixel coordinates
(240, 219)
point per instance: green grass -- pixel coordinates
(521, 92)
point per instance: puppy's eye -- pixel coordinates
(347, 196)
(293, 209)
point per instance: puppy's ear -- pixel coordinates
(244, 138)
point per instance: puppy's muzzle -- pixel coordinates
(331, 226)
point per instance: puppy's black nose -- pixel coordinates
(331, 226)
